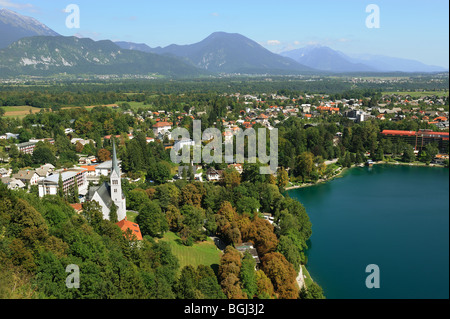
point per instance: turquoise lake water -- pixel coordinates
(396, 217)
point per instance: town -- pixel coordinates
(115, 163)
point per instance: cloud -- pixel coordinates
(273, 42)
(17, 6)
(215, 14)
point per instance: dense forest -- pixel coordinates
(40, 237)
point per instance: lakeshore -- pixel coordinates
(374, 215)
(342, 170)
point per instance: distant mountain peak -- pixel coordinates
(14, 26)
(232, 53)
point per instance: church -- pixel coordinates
(109, 194)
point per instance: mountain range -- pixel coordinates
(230, 53)
(326, 59)
(29, 47)
(47, 55)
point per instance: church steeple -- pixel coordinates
(116, 186)
(115, 165)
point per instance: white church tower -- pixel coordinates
(116, 187)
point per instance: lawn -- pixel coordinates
(203, 253)
(308, 279)
(131, 216)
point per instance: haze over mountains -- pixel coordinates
(326, 59)
(31, 48)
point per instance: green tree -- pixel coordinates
(151, 219)
(43, 155)
(305, 165)
(60, 186)
(314, 291)
(408, 154)
(248, 276)
(113, 218)
(282, 178)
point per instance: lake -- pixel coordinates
(396, 217)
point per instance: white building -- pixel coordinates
(50, 185)
(109, 194)
(182, 143)
(161, 128)
(29, 177)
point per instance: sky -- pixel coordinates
(411, 29)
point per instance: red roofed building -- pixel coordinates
(162, 128)
(124, 225)
(419, 139)
(77, 207)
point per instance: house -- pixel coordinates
(162, 128)
(248, 247)
(212, 174)
(109, 194)
(268, 217)
(104, 169)
(238, 167)
(27, 177)
(77, 207)
(182, 143)
(43, 172)
(8, 136)
(5, 172)
(91, 173)
(262, 119)
(125, 224)
(108, 137)
(13, 183)
(87, 160)
(81, 141)
(228, 136)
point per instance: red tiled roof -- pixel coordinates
(125, 224)
(412, 133)
(162, 124)
(402, 133)
(77, 207)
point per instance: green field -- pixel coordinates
(204, 253)
(19, 111)
(308, 279)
